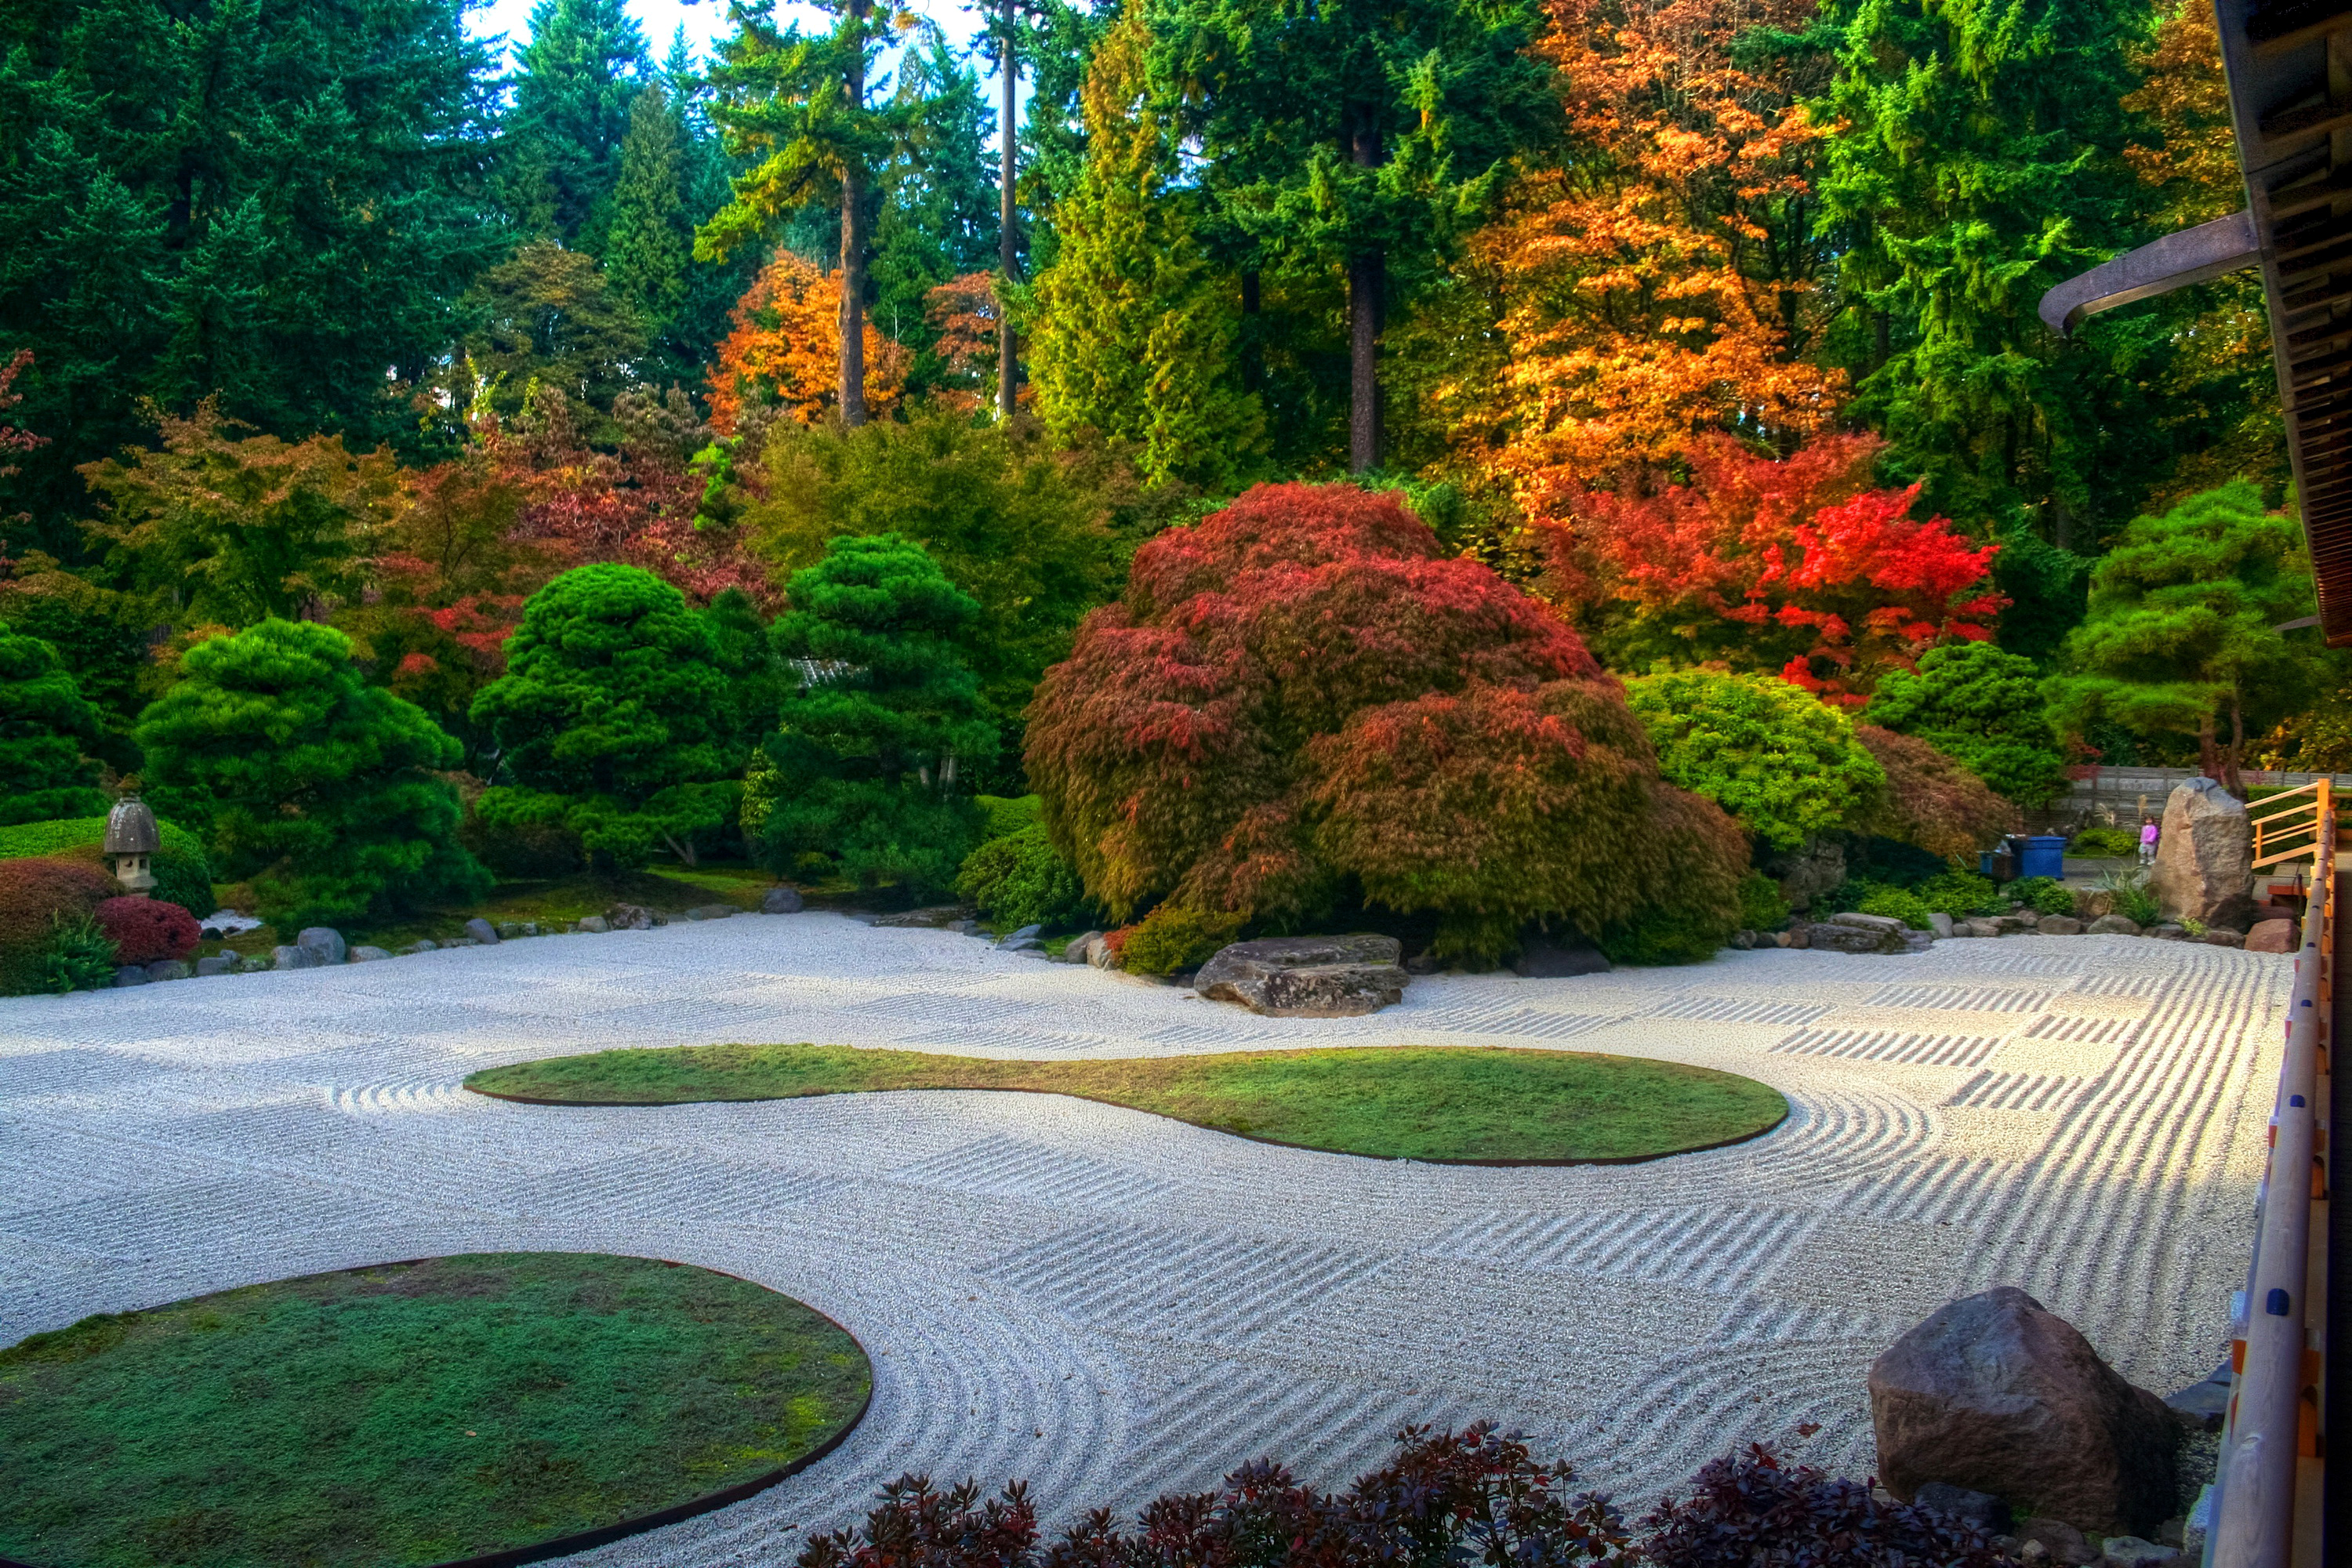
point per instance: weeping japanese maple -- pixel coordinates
(1302, 701)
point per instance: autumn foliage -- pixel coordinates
(144, 931)
(1931, 800)
(1797, 567)
(1302, 699)
(1662, 283)
(785, 349)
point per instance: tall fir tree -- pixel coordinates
(801, 106)
(1979, 161)
(1135, 332)
(278, 205)
(1365, 136)
(937, 217)
(580, 72)
(650, 251)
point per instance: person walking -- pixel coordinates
(2147, 841)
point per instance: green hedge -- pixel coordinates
(182, 876)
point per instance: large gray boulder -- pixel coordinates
(325, 941)
(1806, 873)
(2205, 857)
(1997, 1394)
(482, 932)
(781, 901)
(292, 956)
(1307, 976)
(1540, 958)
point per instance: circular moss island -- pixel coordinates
(1472, 1105)
(413, 1413)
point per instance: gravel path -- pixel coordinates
(1112, 1304)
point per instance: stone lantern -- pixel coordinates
(131, 839)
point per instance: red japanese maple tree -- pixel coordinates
(1304, 699)
(1798, 565)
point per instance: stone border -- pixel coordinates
(1788, 1108)
(708, 1502)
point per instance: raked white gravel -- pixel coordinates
(1111, 1304)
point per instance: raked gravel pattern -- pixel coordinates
(1112, 1304)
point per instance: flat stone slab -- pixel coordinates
(1306, 977)
(1112, 1304)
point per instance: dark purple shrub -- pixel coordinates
(917, 1527)
(1751, 1510)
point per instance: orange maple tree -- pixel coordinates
(1661, 282)
(785, 349)
(963, 314)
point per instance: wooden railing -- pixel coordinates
(2268, 1487)
(2288, 827)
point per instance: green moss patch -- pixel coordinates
(1416, 1102)
(411, 1413)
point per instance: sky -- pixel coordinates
(704, 20)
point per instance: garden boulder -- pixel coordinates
(2113, 925)
(631, 917)
(1307, 976)
(2205, 857)
(1854, 933)
(1543, 959)
(781, 901)
(482, 932)
(2271, 936)
(325, 941)
(1997, 1394)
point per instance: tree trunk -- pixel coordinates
(2234, 759)
(2208, 752)
(1253, 349)
(1007, 221)
(1878, 339)
(853, 245)
(1367, 274)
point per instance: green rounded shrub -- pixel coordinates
(78, 956)
(2043, 895)
(1960, 893)
(1762, 907)
(1786, 765)
(1173, 938)
(1019, 880)
(2109, 842)
(182, 876)
(1895, 903)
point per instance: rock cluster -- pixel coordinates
(1307, 976)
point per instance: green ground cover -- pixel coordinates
(1436, 1103)
(407, 1412)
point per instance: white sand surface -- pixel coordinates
(1112, 1304)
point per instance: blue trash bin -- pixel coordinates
(2045, 855)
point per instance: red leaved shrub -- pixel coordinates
(1794, 566)
(35, 894)
(1303, 700)
(1931, 799)
(147, 930)
(1753, 1508)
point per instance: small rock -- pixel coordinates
(219, 963)
(1887, 923)
(2011, 924)
(1743, 941)
(2272, 936)
(2166, 931)
(2061, 925)
(2173, 1532)
(482, 932)
(1540, 958)
(131, 974)
(1800, 936)
(1080, 946)
(711, 913)
(633, 917)
(2029, 1552)
(1421, 964)
(2057, 1541)
(1939, 922)
(324, 941)
(1021, 944)
(781, 901)
(1783, 939)
(2113, 925)
(509, 930)
(1306, 977)
(288, 956)
(1840, 935)
(936, 917)
(1025, 934)
(168, 969)
(422, 945)
(459, 941)
(1100, 956)
(1982, 1510)
(963, 928)
(2223, 939)
(2131, 1551)
(368, 954)
(2205, 1403)
(1979, 925)
(531, 927)
(594, 923)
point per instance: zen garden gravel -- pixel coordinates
(1112, 1304)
